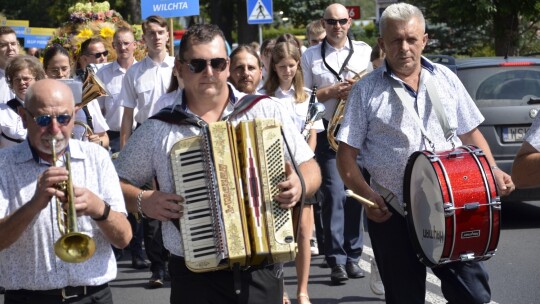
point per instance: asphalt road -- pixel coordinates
(514, 271)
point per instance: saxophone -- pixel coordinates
(335, 122)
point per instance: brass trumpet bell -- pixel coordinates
(93, 88)
(74, 247)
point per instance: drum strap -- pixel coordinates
(406, 100)
(388, 196)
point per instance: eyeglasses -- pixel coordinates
(198, 65)
(98, 55)
(13, 44)
(45, 120)
(123, 43)
(24, 79)
(336, 21)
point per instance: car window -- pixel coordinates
(512, 84)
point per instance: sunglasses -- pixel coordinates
(198, 65)
(98, 55)
(336, 21)
(45, 120)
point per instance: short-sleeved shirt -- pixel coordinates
(144, 83)
(6, 94)
(533, 135)
(147, 153)
(298, 110)
(30, 262)
(385, 132)
(316, 72)
(112, 75)
(11, 126)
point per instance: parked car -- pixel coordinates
(507, 92)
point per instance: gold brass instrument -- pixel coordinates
(93, 88)
(335, 122)
(73, 246)
(87, 130)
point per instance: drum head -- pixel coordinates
(424, 204)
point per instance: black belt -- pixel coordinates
(63, 293)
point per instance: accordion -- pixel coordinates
(228, 177)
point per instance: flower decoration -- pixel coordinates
(88, 20)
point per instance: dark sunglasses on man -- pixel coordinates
(198, 65)
(98, 55)
(336, 21)
(46, 119)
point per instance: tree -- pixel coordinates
(501, 20)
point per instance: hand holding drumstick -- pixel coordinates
(361, 199)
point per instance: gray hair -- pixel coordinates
(400, 11)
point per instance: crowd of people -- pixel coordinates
(109, 158)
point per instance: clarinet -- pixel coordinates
(315, 112)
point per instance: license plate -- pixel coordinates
(514, 134)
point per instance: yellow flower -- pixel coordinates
(85, 34)
(106, 32)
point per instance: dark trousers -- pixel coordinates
(153, 244)
(114, 141)
(258, 285)
(103, 296)
(318, 221)
(404, 276)
(135, 245)
(343, 235)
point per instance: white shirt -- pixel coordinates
(112, 76)
(30, 262)
(147, 153)
(533, 135)
(11, 126)
(316, 73)
(6, 94)
(144, 83)
(298, 110)
(167, 100)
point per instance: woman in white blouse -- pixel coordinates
(286, 83)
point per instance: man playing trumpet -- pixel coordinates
(331, 66)
(29, 217)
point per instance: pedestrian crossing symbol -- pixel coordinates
(259, 11)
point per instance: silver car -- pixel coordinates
(507, 92)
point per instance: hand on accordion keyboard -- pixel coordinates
(161, 205)
(291, 188)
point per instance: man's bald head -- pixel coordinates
(46, 91)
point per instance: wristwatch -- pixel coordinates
(105, 213)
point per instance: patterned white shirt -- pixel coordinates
(316, 73)
(6, 94)
(385, 132)
(11, 126)
(30, 262)
(298, 110)
(144, 83)
(533, 135)
(112, 75)
(146, 154)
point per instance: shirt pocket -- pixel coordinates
(321, 74)
(144, 89)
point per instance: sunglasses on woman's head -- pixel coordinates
(198, 65)
(46, 119)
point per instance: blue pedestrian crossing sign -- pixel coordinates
(259, 11)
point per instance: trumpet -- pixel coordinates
(73, 246)
(92, 88)
(335, 122)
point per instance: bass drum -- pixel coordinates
(452, 206)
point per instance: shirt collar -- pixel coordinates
(424, 63)
(30, 153)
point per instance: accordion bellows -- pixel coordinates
(228, 177)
